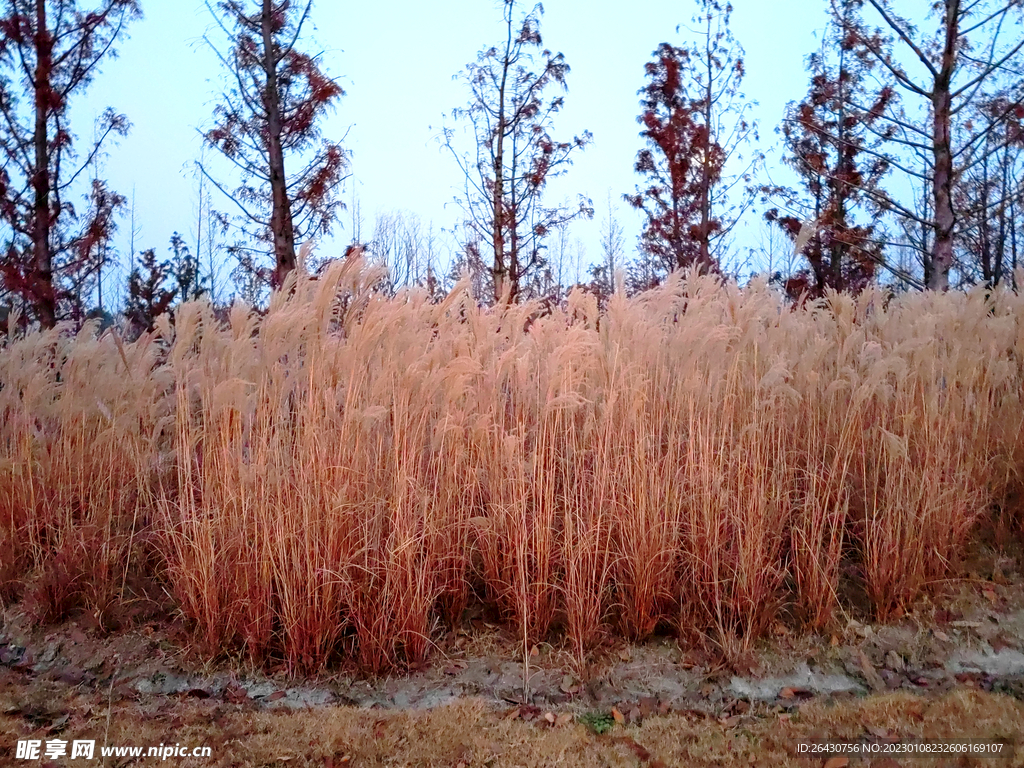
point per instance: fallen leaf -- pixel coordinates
(275, 696)
(568, 684)
(870, 674)
(694, 713)
(999, 642)
(529, 712)
(859, 629)
(730, 722)
(625, 654)
(455, 667)
(640, 751)
(619, 717)
(990, 595)
(745, 664)
(787, 693)
(894, 661)
(834, 642)
(837, 762)
(648, 706)
(235, 694)
(72, 675)
(877, 732)
(535, 651)
(940, 635)
(550, 717)
(563, 719)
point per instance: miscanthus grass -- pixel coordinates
(345, 474)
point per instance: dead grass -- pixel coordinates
(473, 734)
(345, 474)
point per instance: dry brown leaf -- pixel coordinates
(625, 654)
(455, 667)
(550, 717)
(642, 753)
(746, 664)
(619, 717)
(837, 762)
(235, 694)
(648, 706)
(563, 719)
(870, 674)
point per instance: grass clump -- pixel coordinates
(342, 476)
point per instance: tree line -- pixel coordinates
(906, 151)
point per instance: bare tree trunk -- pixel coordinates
(705, 179)
(843, 168)
(42, 272)
(498, 199)
(281, 215)
(942, 183)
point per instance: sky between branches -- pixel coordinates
(396, 61)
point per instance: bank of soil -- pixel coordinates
(951, 667)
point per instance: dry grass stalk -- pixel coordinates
(343, 474)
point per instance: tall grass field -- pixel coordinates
(342, 476)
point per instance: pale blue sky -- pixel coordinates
(395, 61)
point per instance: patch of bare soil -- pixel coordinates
(952, 667)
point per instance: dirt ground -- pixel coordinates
(951, 668)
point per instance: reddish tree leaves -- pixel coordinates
(515, 155)
(49, 51)
(694, 119)
(267, 122)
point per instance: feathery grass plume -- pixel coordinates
(344, 475)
